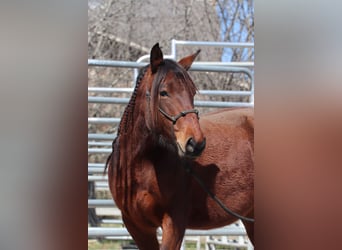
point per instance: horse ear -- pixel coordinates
(156, 58)
(186, 62)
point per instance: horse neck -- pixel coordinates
(137, 145)
(130, 142)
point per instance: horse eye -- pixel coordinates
(163, 93)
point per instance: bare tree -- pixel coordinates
(146, 22)
(126, 30)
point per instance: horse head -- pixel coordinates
(172, 104)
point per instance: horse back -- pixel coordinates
(232, 116)
(234, 124)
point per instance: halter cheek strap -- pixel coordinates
(181, 114)
(170, 117)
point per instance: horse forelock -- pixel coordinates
(179, 72)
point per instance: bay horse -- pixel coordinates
(159, 137)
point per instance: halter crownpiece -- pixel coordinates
(181, 114)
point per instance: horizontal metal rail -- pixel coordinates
(95, 170)
(229, 230)
(201, 92)
(111, 90)
(96, 165)
(101, 136)
(225, 92)
(214, 44)
(103, 144)
(113, 100)
(194, 67)
(229, 64)
(97, 177)
(110, 221)
(94, 120)
(99, 150)
(114, 63)
(198, 103)
(93, 203)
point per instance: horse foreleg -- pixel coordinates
(145, 238)
(173, 232)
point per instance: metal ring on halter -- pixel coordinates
(181, 114)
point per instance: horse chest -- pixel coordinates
(152, 205)
(155, 190)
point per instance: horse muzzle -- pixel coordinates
(193, 148)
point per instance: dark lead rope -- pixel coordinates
(199, 181)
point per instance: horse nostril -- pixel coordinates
(194, 148)
(190, 146)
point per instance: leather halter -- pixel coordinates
(181, 114)
(176, 117)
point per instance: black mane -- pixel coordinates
(127, 115)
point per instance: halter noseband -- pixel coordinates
(181, 114)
